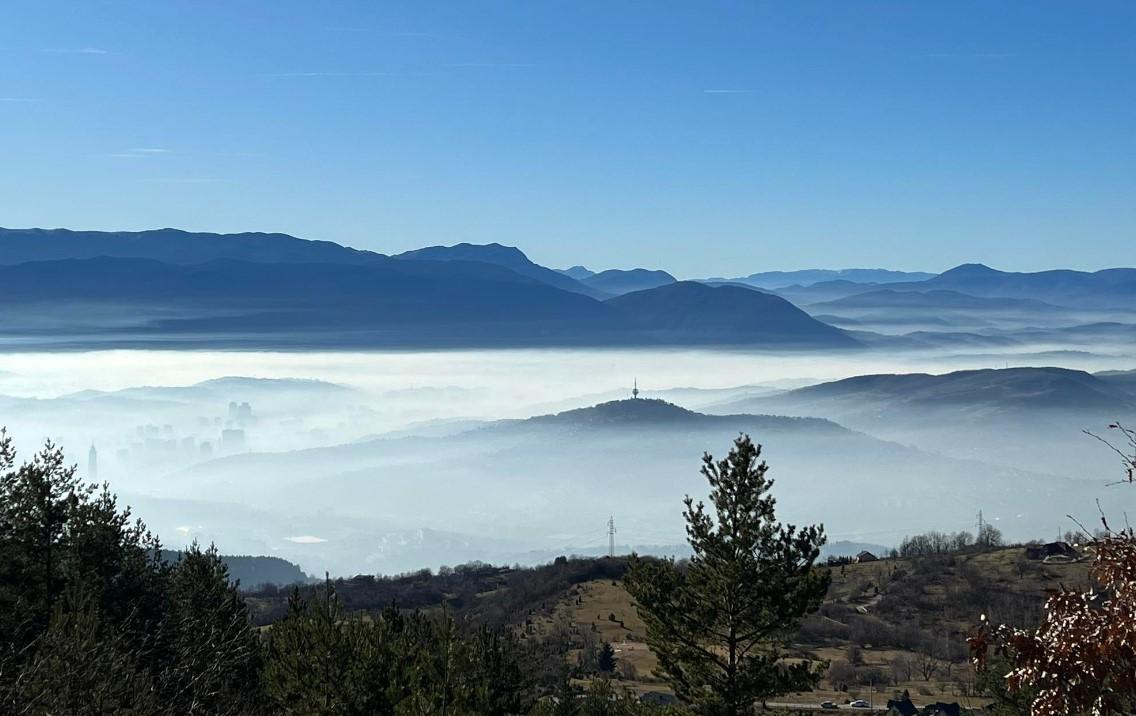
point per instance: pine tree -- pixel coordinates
(606, 661)
(717, 623)
(80, 666)
(210, 637)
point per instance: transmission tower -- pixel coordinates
(611, 536)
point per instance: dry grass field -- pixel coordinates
(921, 611)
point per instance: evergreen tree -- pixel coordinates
(87, 604)
(606, 660)
(210, 637)
(503, 685)
(317, 661)
(717, 623)
(444, 674)
(79, 666)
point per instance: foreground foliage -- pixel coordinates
(1082, 658)
(95, 620)
(718, 623)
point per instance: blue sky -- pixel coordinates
(704, 138)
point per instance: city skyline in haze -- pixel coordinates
(720, 139)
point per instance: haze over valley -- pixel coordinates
(309, 401)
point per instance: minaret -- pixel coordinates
(635, 390)
(93, 464)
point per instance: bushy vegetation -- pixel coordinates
(517, 593)
(1081, 658)
(95, 618)
(92, 620)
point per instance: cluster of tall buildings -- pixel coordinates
(163, 443)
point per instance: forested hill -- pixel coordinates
(253, 572)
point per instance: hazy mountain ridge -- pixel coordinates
(1005, 389)
(550, 481)
(253, 571)
(171, 246)
(1029, 418)
(721, 314)
(385, 302)
(655, 413)
(168, 287)
(1115, 287)
(932, 299)
(510, 257)
(577, 272)
(808, 277)
(617, 282)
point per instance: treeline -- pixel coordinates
(497, 596)
(254, 572)
(95, 619)
(936, 543)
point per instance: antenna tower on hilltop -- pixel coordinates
(611, 536)
(635, 390)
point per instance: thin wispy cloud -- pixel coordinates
(139, 153)
(331, 74)
(352, 29)
(249, 155)
(305, 539)
(18, 100)
(75, 51)
(725, 91)
(971, 55)
(489, 64)
(185, 180)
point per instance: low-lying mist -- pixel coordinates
(385, 462)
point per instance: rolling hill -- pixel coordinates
(510, 257)
(937, 299)
(725, 314)
(552, 481)
(1006, 390)
(171, 246)
(616, 282)
(808, 277)
(1029, 418)
(1109, 288)
(382, 302)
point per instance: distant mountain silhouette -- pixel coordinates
(1017, 418)
(653, 413)
(221, 389)
(253, 572)
(384, 302)
(171, 246)
(725, 314)
(510, 257)
(617, 282)
(998, 390)
(577, 272)
(1112, 288)
(934, 299)
(1124, 379)
(533, 477)
(807, 277)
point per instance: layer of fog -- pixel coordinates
(418, 498)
